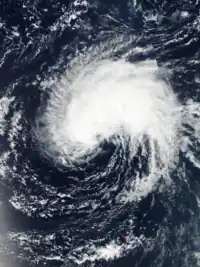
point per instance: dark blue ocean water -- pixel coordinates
(37, 40)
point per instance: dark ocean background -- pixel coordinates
(37, 40)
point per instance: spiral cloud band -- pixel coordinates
(111, 133)
(102, 100)
(99, 100)
(100, 133)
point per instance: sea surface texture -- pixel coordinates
(99, 133)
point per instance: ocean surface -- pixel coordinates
(99, 133)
